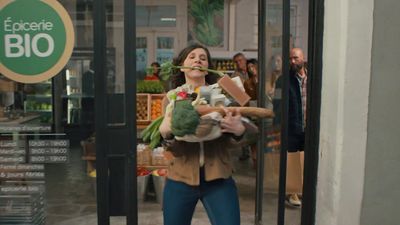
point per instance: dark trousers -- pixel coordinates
(219, 197)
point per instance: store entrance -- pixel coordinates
(124, 171)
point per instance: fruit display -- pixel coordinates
(156, 108)
(142, 107)
(160, 172)
(141, 171)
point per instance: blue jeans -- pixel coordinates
(219, 197)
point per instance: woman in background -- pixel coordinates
(156, 71)
(275, 71)
(251, 85)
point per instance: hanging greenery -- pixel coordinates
(203, 13)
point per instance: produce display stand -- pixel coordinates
(143, 107)
(148, 108)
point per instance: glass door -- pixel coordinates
(47, 172)
(142, 54)
(153, 47)
(165, 47)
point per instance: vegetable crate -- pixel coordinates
(156, 109)
(143, 109)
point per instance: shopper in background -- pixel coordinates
(274, 72)
(297, 108)
(201, 170)
(241, 67)
(251, 84)
(87, 101)
(156, 71)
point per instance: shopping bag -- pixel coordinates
(294, 172)
(271, 172)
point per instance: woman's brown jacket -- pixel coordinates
(185, 165)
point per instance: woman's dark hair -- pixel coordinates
(155, 64)
(178, 77)
(251, 61)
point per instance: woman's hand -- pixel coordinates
(232, 123)
(165, 127)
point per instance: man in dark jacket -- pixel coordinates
(297, 106)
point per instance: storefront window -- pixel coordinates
(165, 49)
(141, 56)
(47, 153)
(155, 16)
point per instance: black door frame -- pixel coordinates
(311, 154)
(99, 59)
(123, 157)
(316, 12)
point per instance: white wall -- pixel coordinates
(382, 171)
(246, 25)
(344, 110)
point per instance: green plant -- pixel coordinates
(153, 87)
(203, 13)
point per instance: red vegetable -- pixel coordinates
(182, 95)
(141, 171)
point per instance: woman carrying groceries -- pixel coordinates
(201, 170)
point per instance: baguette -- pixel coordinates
(244, 111)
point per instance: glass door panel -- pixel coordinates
(142, 56)
(165, 49)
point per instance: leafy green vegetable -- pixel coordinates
(150, 132)
(185, 118)
(154, 87)
(167, 68)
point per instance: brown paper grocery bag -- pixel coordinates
(271, 172)
(294, 172)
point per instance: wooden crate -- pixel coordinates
(156, 111)
(143, 109)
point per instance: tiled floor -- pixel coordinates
(71, 198)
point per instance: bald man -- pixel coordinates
(296, 60)
(297, 108)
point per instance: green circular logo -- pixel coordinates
(35, 44)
